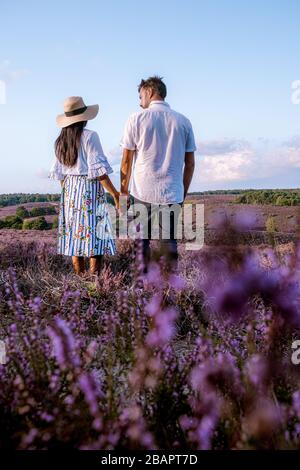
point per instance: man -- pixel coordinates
(158, 152)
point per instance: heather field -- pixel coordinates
(198, 359)
(11, 210)
(216, 206)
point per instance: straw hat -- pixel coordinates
(75, 110)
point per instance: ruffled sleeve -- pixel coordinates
(56, 171)
(96, 160)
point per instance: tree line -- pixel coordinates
(23, 198)
(274, 197)
(21, 219)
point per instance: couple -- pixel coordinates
(158, 157)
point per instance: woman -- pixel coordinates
(84, 227)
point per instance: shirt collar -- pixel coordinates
(159, 102)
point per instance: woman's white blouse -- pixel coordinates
(91, 160)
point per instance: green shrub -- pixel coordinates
(55, 223)
(271, 226)
(22, 212)
(37, 224)
(36, 211)
(13, 221)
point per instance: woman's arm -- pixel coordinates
(108, 185)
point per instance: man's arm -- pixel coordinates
(189, 166)
(126, 167)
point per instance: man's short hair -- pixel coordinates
(157, 85)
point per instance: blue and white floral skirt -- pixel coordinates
(84, 226)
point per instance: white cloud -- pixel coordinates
(10, 74)
(42, 173)
(228, 167)
(231, 163)
(222, 146)
(114, 155)
(230, 160)
(222, 161)
(291, 150)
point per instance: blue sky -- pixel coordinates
(228, 64)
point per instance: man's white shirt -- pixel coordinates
(160, 137)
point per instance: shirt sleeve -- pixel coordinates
(128, 140)
(56, 170)
(96, 160)
(190, 145)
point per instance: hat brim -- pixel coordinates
(90, 113)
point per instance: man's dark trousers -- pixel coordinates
(167, 231)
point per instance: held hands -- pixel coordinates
(124, 195)
(117, 201)
(127, 195)
(116, 197)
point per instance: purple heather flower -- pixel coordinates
(205, 431)
(88, 388)
(257, 369)
(163, 329)
(58, 348)
(296, 403)
(244, 220)
(64, 346)
(177, 282)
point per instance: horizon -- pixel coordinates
(189, 193)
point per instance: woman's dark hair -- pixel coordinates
(68, 142)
